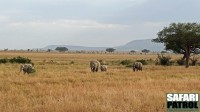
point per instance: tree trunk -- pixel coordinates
(187, 56)
(187, 62)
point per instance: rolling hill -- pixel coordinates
(136, 45)
(139, 45)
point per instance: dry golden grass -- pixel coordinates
(59, 86)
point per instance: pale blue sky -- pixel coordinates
(37, 23)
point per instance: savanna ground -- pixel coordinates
(64, 83)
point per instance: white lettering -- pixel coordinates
(197, 97)
(191, 97)
(182, 97)
(186, 97)
(169, 97)
(176, 97)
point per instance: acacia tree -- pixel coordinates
(145, 51)
(61, 49)
(183, 38)
(110, 50)
(133, 51)
(48, 50)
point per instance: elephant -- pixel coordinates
(27, 68)
(95, 65)
(137, 66)
(103, 68)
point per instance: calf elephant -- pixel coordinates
(104, 68)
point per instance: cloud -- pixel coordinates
(70, 24)
(89, 22)
(155, 24)
(78, 32)
(4, 18)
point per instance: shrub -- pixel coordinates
(19, 60)
(16, 60)
(180, 61)
(193, 61)
(72, 62)
(164, 60)
(4, 60)
(126, 62)
(144, 62)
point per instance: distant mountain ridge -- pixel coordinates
(136, 45)
(140, 45)
(74, 48)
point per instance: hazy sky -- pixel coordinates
(38, 23)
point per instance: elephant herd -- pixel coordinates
(95, 65)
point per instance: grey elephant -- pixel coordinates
(137, 66)
(27, 68)
(95, 65)
(104, 68)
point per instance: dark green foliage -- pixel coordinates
(61, 49)
(163, 60)
(145, 51)
(20, 60)
(4, 60)
(15, 60)
(110, 49)
(180, 61)
(144, 62)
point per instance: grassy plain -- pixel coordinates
(64, 83)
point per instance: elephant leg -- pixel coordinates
(96, 69)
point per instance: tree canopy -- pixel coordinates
(133, 51)
(145, 51)
(110, 49)
(181, 38)
(61, 49)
